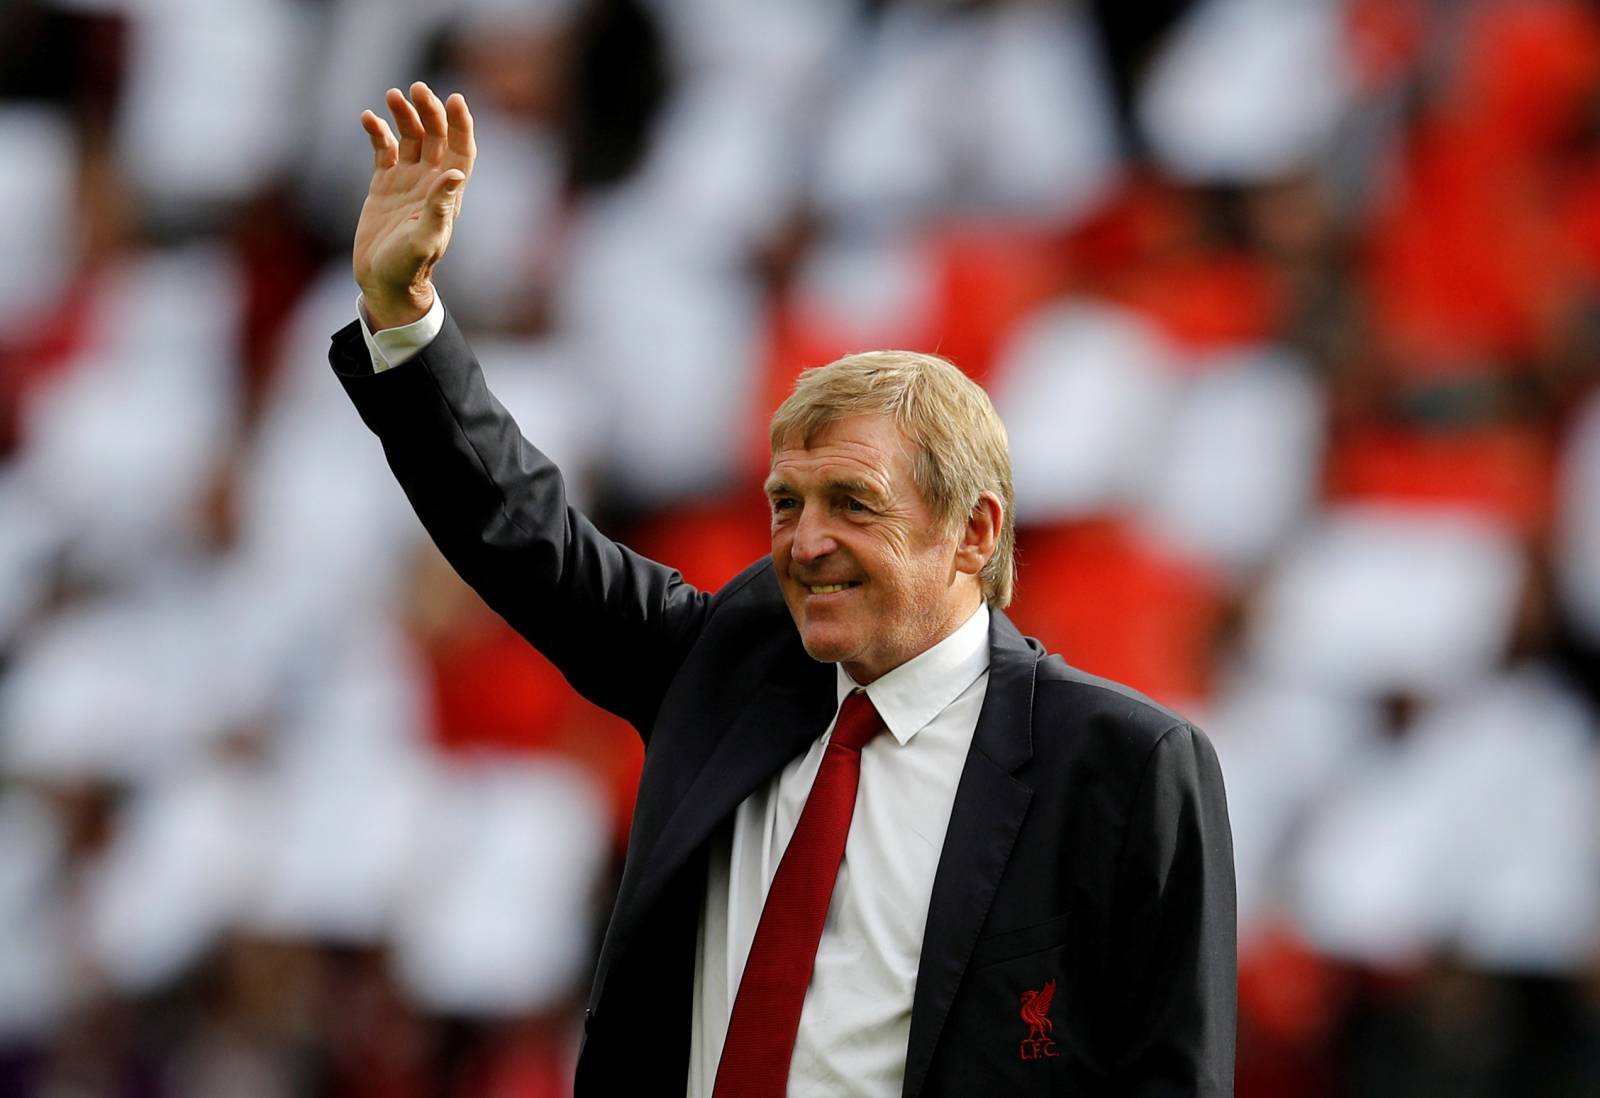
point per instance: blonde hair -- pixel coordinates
(961, 443)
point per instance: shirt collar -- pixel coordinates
(910, 696)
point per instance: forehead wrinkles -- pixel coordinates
(846, 460)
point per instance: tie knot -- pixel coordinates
(858, 721)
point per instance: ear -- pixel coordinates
(980, 535)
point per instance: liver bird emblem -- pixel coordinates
(1036, 1011)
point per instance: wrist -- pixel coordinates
(397, 310)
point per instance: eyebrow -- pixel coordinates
(845, 485)
(852, 487)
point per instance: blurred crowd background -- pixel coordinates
(1292, 308)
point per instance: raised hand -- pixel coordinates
(412, 202)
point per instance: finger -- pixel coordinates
(463, 146)
(434, 122)
(385, 150)
(407, 122)
(444, 199)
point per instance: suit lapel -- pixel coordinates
(984, 821)
(779, 722)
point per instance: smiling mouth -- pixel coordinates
(830, 588)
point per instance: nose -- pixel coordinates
(812, 541)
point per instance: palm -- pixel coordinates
(410, 209)
(392, 239)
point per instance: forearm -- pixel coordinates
(497, 509)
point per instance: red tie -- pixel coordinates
(766, 1012)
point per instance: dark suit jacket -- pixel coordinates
(1088, 844)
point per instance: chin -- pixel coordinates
(826, 646)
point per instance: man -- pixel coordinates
(883, 844)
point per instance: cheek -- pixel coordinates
(925, 572)
(893, 547)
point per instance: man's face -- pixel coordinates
(867, 571)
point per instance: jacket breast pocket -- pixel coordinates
(1008, 945)
(1010, 1031)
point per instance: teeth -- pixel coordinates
(829, 589)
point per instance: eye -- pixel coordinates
(782, 503)
(856, 506)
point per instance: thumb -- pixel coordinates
(444, 196)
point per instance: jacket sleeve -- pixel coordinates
(615, 624)
(1176, 936)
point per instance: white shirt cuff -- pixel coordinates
(392, 346)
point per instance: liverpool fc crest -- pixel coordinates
(1037, 1045)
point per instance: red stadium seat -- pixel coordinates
(1116, 606)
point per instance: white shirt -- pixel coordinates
(392, 346)
(856, 1021)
